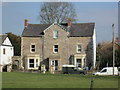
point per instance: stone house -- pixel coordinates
(6, 53)
(58, 44)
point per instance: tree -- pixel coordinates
(58, 12)
(16, 42)
(117, 57)
(105, 55)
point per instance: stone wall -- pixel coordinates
(25, 49)
(61, 41)
(67, 46)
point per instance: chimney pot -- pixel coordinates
(25, 22)
(116, 40)
(69, 23)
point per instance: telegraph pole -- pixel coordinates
(113, 48)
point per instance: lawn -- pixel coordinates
(37, 80)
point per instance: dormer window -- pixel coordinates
(55, 34)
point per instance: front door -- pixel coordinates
(78, 63)
(55, 64)
(5, 68)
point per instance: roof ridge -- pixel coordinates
(78, 29)
(63, 23)
(2, 38)
(39, 24)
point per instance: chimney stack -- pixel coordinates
(69, 23)
(25, 22)
(116, 40)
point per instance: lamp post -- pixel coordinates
(113, 48)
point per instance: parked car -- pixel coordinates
(71, 69)
(107, 71)
(119, 71)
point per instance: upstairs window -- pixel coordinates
(79, 48)
(55, 34)
(4, 51)
(33, 48)
(55, 48)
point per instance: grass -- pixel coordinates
(37, 80)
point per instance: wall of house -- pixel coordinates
(67, 46)
(61, 41)
(0, 61)
(86, 43)
(25, 50)
(94, 48)
(7, 42)
(6, 58)
(83, 41)
(0, 56)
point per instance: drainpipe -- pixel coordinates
(68, 51)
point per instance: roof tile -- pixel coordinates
(76, 30)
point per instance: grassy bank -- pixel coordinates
(37, 80)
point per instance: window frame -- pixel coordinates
(32, 63)
(37, 63)
(54, 49)
(79, 63)
(4, 51)
(55, 34)
(79, 48)
(31, 48)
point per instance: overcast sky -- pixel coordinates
(104, 14)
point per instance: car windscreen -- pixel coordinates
(104, 70)
(119, 69)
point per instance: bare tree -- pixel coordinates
(59, 12)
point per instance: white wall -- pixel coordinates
(7, 42)
(7, 57)
(0, 55)
(9, 52)
(94, 48)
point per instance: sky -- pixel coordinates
(119, 21)
(104, 14)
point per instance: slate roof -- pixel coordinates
(2, 38)
(76, 30)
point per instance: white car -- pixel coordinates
(107, 71)
(119, 71)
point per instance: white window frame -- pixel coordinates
(37, 63)
(32, 63)
(53, 62)
(78, 63)
(79, 48)
(55, 34)
(32, 48)
(55, 48)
